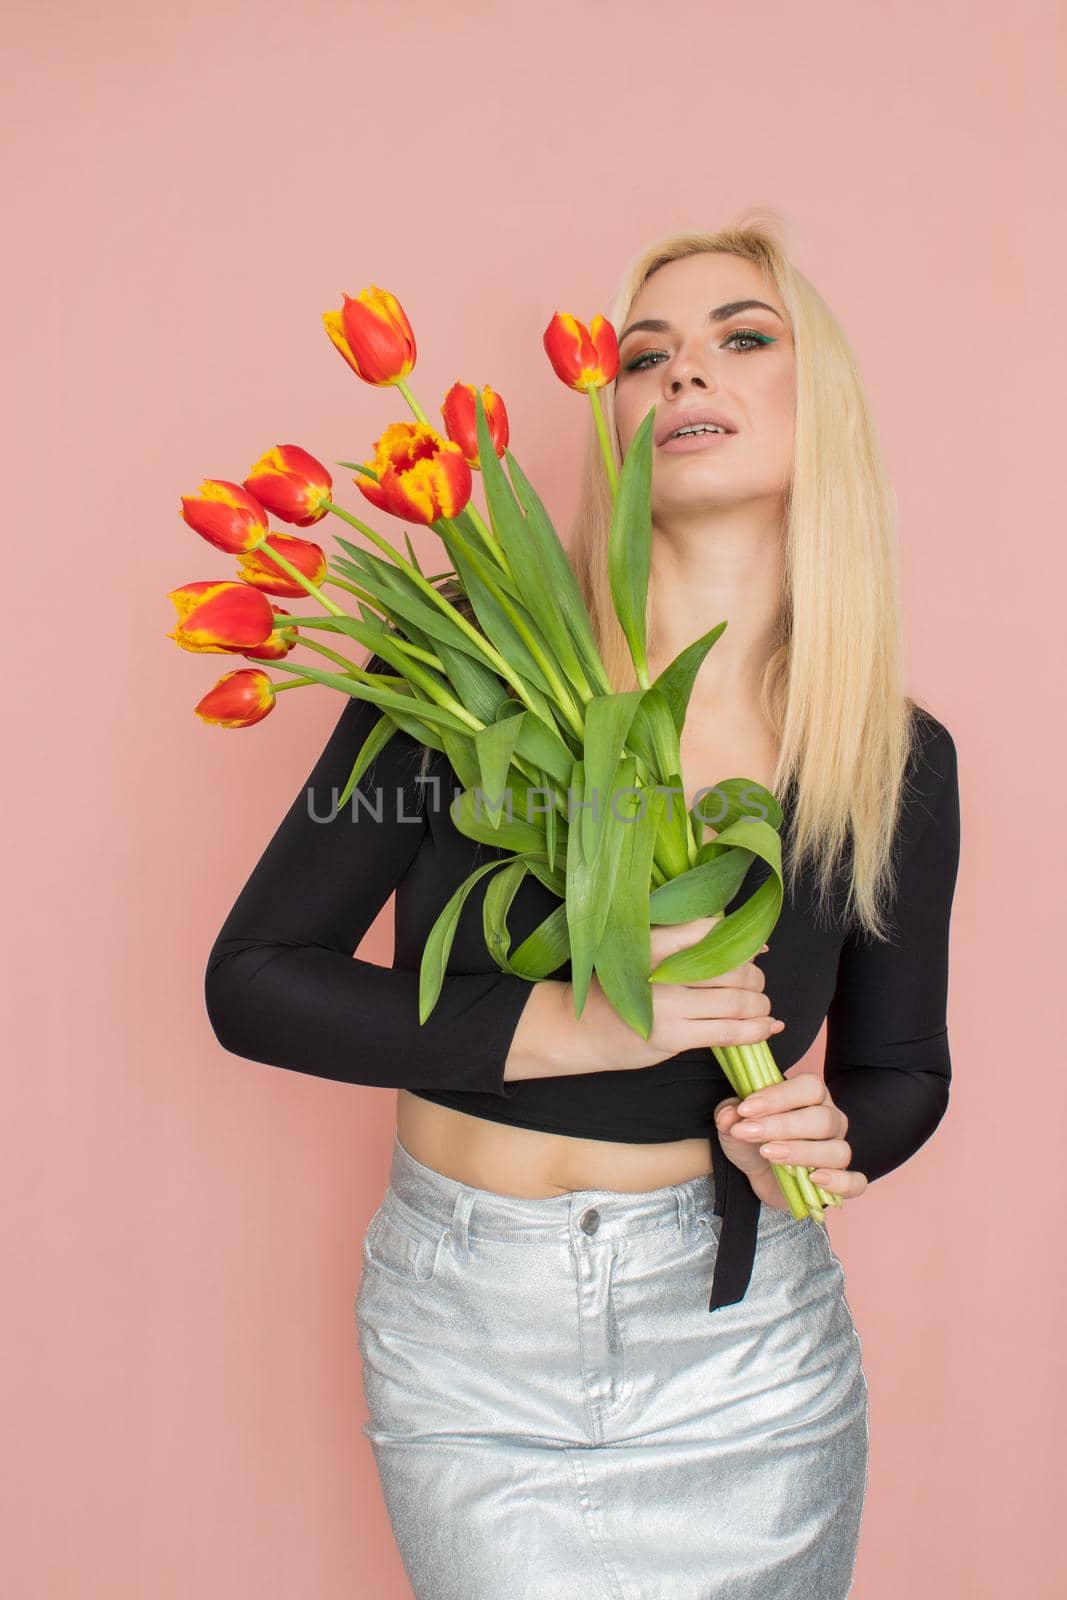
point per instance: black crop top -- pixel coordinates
(283, 987)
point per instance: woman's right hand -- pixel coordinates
(550, 1041)
(730, 1009)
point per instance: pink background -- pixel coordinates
(184, 197)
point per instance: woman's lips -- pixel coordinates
(696, 441)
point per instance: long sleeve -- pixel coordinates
(282, 984)
(887, 1056)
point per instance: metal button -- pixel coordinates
(590, 1220)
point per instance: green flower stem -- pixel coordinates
(764, 1071)
(416, 410)
(352, 588)
(489, 538)
(291, 683)
(294, 572)
(355, 668)
(387, 549)
(819, 1196)
(746, 1072)
(417, 652)
(605, 443)
(446, 701)
(324, 650)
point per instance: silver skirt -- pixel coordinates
(556, 1415)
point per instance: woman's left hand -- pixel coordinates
(792, 1123)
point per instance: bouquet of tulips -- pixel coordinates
(518, 699)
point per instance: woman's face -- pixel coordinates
(711, 351)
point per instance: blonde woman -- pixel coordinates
(600, 1356)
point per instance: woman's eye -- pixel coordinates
(639, 364)
(752, 341)
(756, 339)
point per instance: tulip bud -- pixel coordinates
(238, 700)
(583, 358)
(219, 617)
(374, 336)
(291, 484)
(261, 572)
(461, 423)
(421, 476)
(226, 515)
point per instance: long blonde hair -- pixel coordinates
(833, 688)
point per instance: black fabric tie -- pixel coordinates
(737, 1203)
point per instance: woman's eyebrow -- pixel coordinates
(718, 314)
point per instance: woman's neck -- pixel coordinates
(730, 571)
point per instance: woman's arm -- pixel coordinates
(282, 986)
(886, 1074)
(887, 1062)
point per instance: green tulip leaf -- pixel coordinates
(704, 891)
(630, 544)
(625, 953)
(438, 945)
(495, 746)
(739, 936)
(607, 723)
(522, 544)
(590, 881)
(734, 798)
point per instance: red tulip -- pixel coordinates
(238, 700)
(421, 476)
(281, 641)
(583, 358)
(261, 572)
(460, 422)
(226, 515)
(291, 484)
(374, 336)
(218, 617)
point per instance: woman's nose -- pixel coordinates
(691, 368)
(696, 379)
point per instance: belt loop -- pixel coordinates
(461, 1211)
(684, 1202)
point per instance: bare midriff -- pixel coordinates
(524, 1161)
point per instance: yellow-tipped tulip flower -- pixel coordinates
(238, 700)
(291, 484)
(219, 617)
(374, 336)
(458, 412)
(226, 515)
(261, 572)
(281, 641)
(421, 476)
(582, 358)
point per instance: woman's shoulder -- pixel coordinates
(931, 783)
(932, 758)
